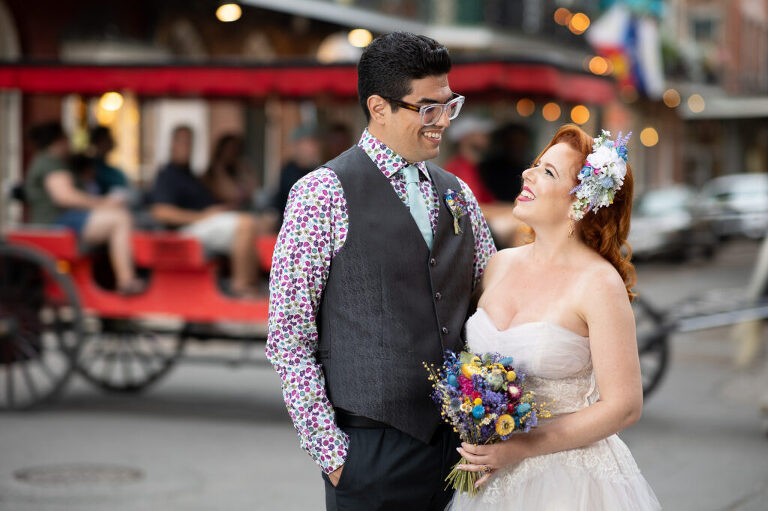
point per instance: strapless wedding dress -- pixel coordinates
(600, 477)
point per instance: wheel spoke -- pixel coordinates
(9, 385)
(109, 366)
(126, 360)
(144, 361)
(30, 353)
(29, 379)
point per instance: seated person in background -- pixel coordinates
(233, 182)
(54, 198)
(306, 151)
(182, 201)
(472, 141)
(108, 178)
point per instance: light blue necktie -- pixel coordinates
(417, 204)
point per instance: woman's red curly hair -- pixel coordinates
(605, 229)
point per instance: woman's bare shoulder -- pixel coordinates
(600, 282)
(500, 263)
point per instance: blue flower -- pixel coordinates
(478, 411)
(523, 408)
(453, 381)
(606, 182)
(507, 361)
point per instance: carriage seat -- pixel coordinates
(265, 246)
(57, 241)
(168, 249)
(164, 249)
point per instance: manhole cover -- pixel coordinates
(78, 473)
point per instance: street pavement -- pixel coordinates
(216, 437)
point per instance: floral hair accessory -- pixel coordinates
(458, 206)
(602, 174)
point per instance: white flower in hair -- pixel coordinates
(602, 174)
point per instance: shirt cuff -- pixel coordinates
(333, 450)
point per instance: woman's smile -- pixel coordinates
(526, 195)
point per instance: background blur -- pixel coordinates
(689, 78)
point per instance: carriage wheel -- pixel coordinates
(652, 344)
(123, 356)
(41, 326)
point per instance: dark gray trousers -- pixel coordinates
(389, 470)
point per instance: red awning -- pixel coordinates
(294, 81)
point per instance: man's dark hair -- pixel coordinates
(389, 64)
(43, 135)
(80, 164)
(182, 127)
(99, 134)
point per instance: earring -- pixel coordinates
(571, 228)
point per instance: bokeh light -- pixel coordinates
(580, 114)
(563, 16)
(525, 107)
(111, 101)
(671, 98)
(551, 112)
(579, 23)
(598, 65)
(696, 103)
(360, 37)
(229, 12)
(649, 137)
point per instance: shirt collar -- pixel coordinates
(388, 161)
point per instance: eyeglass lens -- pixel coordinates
(433, 112)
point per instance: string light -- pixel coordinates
(360, 37)
(229, 12)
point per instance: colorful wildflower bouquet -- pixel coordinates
(484, 399)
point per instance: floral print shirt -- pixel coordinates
(313, 232)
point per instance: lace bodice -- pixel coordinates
(556, 361)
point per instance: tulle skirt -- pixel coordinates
(601, 477)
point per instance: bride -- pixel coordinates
(561, 307)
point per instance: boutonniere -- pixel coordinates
(457, 204)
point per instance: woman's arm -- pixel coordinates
(609, 318)
(64, 193)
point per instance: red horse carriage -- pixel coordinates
(55, 318)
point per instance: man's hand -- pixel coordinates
(335, 475)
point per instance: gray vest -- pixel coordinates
(389, 303)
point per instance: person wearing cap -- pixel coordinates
(471, 136)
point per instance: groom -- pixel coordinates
(372, 275)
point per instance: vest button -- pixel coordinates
(445, 330)
(438, 296)
(432, 261)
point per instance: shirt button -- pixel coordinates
(445, 330)
(432, 261)
(438, 296)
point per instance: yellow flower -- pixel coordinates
(478, 401)
(505, 425)
(511, 376)
(469, 369)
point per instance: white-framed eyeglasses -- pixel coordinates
(430, 114)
